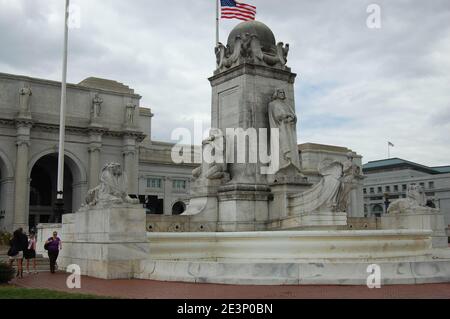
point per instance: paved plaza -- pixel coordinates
(174, 290)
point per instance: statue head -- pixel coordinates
(97, 99)
(279, 94)
(26, 90)
(350, 155)
(130, 106)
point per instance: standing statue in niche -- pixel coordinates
(24, 100)
(282, 117)
(350, 172)
(129, 113)
(96, 107)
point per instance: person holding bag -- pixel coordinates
(18, 244)
(53, 246)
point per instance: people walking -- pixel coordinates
(18, 244)
(54, 245)
(30, 253)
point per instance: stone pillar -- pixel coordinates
(79, 195)
(130, 162)
(94, 159)
(356, 207)
(7, 205)
(21, 174)
(167, 197)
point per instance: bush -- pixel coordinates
(5, 237)
(6, 273)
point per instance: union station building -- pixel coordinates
(104, 123)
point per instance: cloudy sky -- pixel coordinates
(356, 87)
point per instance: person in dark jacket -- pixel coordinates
(54, 245)
(18, 244)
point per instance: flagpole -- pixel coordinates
(389, 151)
(217, 22)
(62, 119)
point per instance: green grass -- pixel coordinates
(13, 292)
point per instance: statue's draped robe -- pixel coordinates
(350, 172)
(278, 118)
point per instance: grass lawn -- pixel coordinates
(13, 292)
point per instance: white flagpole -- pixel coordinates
(62, 115)
(217, 22)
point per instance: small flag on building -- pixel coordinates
(390, 144)
(231, 9)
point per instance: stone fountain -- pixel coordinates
(250, 220)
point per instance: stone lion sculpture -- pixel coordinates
(212, 170)
(415, 201)
(112, 188)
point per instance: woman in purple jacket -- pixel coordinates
(54, 245)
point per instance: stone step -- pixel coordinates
(38, 265)
(42, 263)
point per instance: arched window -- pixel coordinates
(178, 208)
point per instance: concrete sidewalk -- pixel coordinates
(135, 288)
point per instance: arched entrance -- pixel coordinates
(377, 210)
(6, 191)
(43, 182)
(178, 208)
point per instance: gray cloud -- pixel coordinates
(357, 87)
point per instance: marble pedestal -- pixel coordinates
(106, 243)
(419, 220)
(243, 207)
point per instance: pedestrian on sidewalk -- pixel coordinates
(18, 244)
(54, 245)
(30, 253)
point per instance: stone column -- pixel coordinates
(79, 195)
(167, 195)
(94, 165)
(130, 162)
(95, 145)
(21, 174)
(7, 203)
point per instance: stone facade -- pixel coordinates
(104, 124)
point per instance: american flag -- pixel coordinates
(232, 9)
